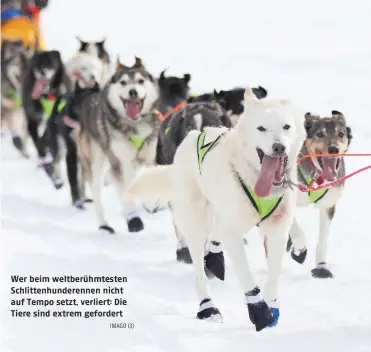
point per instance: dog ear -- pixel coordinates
(162, 76)
(138, 63)
(249, 96)
(80, 40)
(308, 121)
(60, 74)
(119, 65)
(260, 92)
(187, 77)
(102, 42)
(219, 95)
(349, 135)
(337, 115)
(55, 54)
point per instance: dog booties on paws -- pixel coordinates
(260, 313)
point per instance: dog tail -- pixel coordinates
(152, 184)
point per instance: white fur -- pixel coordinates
(88, 66)
(146, 90)
(216, 195)
(297, 234)
(198, 121)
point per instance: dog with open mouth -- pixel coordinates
(45, 83)
(325, 135)
(96, 49)
(225, 182)
(14, 62)
(218, 109)
(118, 130)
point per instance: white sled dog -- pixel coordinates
(233, 180)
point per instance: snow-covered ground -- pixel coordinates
(316, 53)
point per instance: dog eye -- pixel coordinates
(341, 134)
(286, 127)
(141, 81)
(320, 134)
(262, 129)
(123, 83)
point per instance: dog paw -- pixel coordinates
(289, 244)
(17, 142)
(260, 313)
(58, 182)
(299, 255)
(209, 312)
(25, 154)
(322, 272)
(183, 255)
(274, 306)
(79, 204)
(276, 315)
(135, 224)
(107, 228)
(214, 261)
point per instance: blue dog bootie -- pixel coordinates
(275, 309)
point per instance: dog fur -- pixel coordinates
(109, 121)
(97, 49)
(199, 196)
(45, 76)
(325, 135)
(14, 62)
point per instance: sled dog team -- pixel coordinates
(223, 162)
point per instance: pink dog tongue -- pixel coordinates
(329, 168)
(132, 108)
(263, 186)
(38, 87)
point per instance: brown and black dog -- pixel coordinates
(331, 136)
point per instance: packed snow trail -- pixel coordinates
(317, 55)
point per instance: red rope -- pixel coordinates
(315, 186)
(163, 117)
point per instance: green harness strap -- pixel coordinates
(16, 97)
(137, 141)
(264, 206)
(48, 105)
(314, 196)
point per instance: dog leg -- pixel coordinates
(259, 312)
(277, 235)
(97, 184)
(299, 249)
(321, 271)
(134, 222)
(72, 172)
(190, 217)
(17, 126)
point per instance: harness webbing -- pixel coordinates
(264, 206)
(314, 196)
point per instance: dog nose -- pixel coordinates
(133, 93)
(333, 149)
(278, 149)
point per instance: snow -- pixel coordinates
(315, 53)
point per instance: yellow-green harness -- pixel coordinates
(314, 196)
(264, 206)
(47, 104)
(16, 97)
(137, 141)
